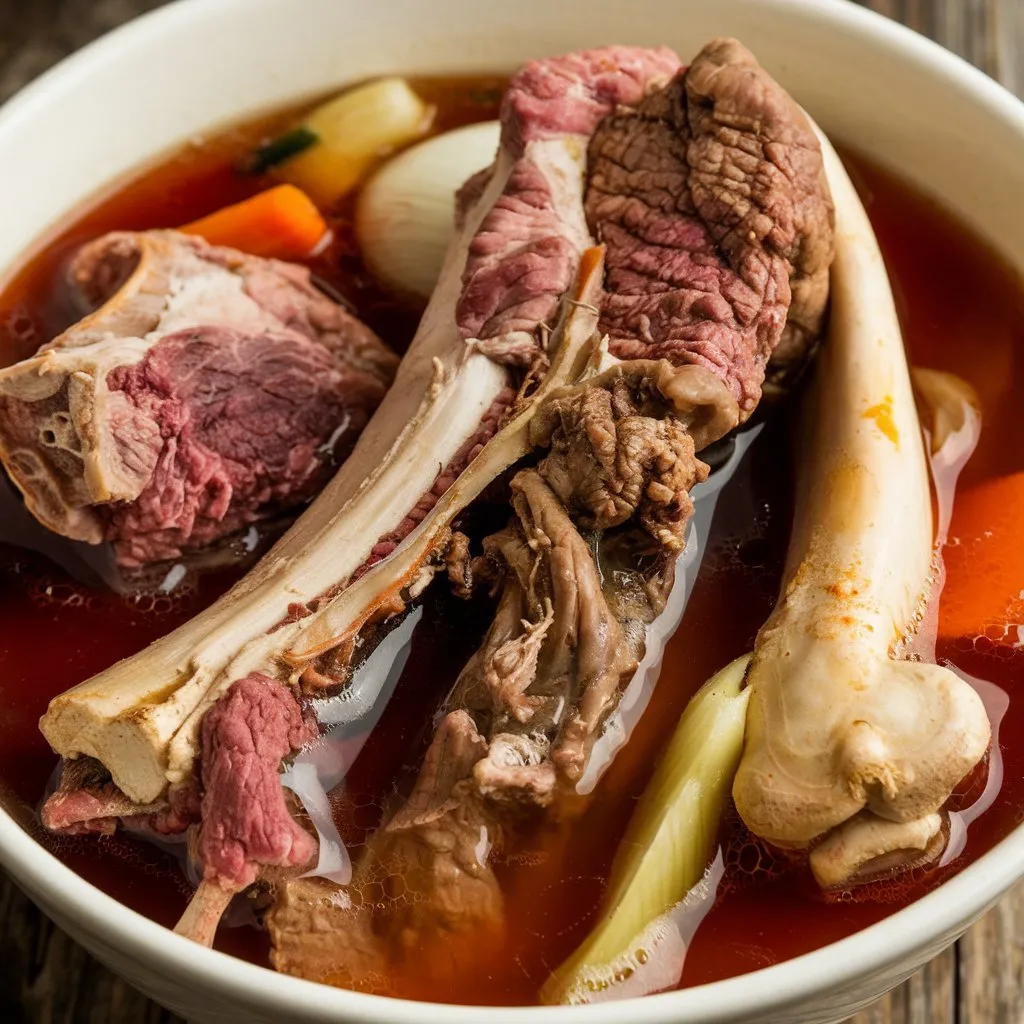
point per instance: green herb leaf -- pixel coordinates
(280, 149)
(485, 97)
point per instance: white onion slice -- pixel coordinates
(405, 214)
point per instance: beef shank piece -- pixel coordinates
(206, 391)
(711, 201)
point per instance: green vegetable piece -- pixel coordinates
(669, 843)
(272, 153)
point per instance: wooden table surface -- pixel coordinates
(45, 978)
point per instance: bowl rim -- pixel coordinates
(948, 908)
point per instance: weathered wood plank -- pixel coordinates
(35, 34)
(991, 978)
(1008, 31)
(45, 978)
(928, 998)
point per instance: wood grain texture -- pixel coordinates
(45, 978)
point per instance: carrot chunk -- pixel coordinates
(282, 222)
(985, 562)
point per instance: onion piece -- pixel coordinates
(664, 856)
(352, 132)
(405, 214)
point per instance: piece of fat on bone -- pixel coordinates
(848, 749)
(140, 718)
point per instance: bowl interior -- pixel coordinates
(197, 64)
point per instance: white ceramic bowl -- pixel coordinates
(896, 97)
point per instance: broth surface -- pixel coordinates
(962, 310)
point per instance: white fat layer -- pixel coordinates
(946, 465)
(174, 576)
(327, 448)
(333, 862)
(373, 682)
(202, 293)
(563, 162)
(482, 849)
(351, 717)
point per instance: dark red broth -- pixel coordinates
(961, 310)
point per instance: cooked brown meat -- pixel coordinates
(209, 390)
(615, 454)
(711, 199)
(458, 565)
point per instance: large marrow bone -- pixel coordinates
(127, 715)
(342, 618)
(840, 731)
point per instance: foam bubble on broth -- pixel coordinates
(50, 589)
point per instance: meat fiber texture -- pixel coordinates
(705, 186)
(711, 200)
(208, 390)
(246, 824)
(525, 254)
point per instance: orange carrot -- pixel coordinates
(282, 222)
(985, 562)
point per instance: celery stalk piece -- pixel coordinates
(668, 845)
